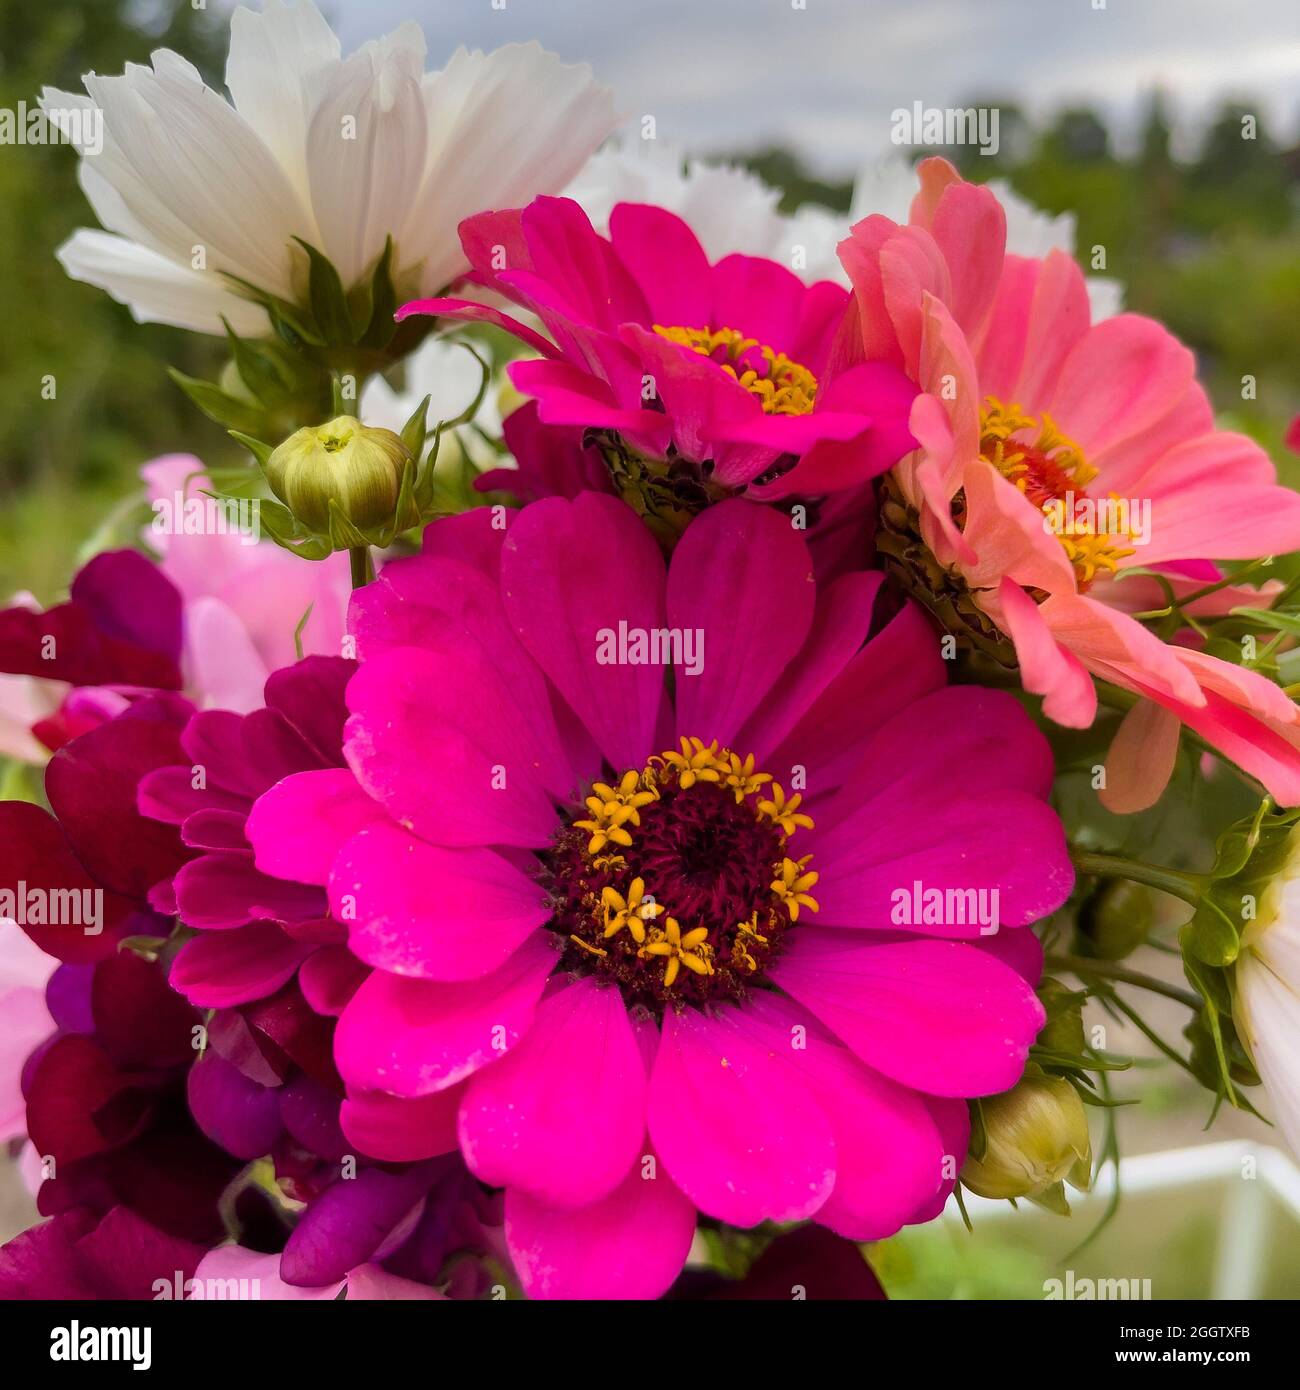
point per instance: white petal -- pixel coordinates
(503, 127)
(366, 149)
(279, 63)
(728, 208)
(196, 162)
(1268, 1007)
(445, 372)
(1106, 297)
(155, 289)
(885, 186)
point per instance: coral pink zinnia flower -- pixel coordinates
(642, 972)
(698, 376)
(1029, 420)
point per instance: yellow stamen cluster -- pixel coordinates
(614, 811)
(785, 813)
(632, 912)
(1045, 468)
(692, 950)
(793, 885)
(786, 388)
(614, 808)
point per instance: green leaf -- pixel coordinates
(217, 405)
(1269, 618)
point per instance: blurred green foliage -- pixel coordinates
(64, 462)
(1212, 247)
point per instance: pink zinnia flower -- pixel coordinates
(635, 930)
(1029, 419)
(713, 375)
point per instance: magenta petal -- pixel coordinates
(480, 910)
(168, 794)
(70, 1257)
(396, 1130)
(667, 260)
(742, 576)
(416, 710)
(309, 695)
(631, 1244)
(888, 1151)
(130, 599)
(329, 978)
(567, 603)
(735, 1123)
(889, 853)
(939, 1016)
(414, 1037)
(218, 891)
(220, 969)
(297, 828)
(563, 1116)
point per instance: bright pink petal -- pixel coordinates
(939, 1016)
(431, 913)
(415, 1037)
(572, 572)
(562, 1117)
(396, 1130)
(888, 1152)
(631, 1244)
(297, 828)
(217, 970)
(742, 577)
(416, 711)
(735, 1123)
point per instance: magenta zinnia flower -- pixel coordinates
(642, 973)
(723, 373)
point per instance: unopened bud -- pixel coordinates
(354, 465)
(1036, 1137)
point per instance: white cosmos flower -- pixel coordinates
(728, 208)
(1266, 1001)
(442, 370)
(340, 152)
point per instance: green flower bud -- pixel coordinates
(1116, 918)
(1063, 1031)
(358, 467)
(1036, 1136)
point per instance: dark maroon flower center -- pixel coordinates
(678, 884)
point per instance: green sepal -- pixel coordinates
(328, 300)
(377, 304)
(259, 449)
(217, 404)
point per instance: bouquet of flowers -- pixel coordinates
(630, 787)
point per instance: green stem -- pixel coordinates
(1084, 966)
(363, 566)
(1189, 887)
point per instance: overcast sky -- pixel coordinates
(737, 74)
